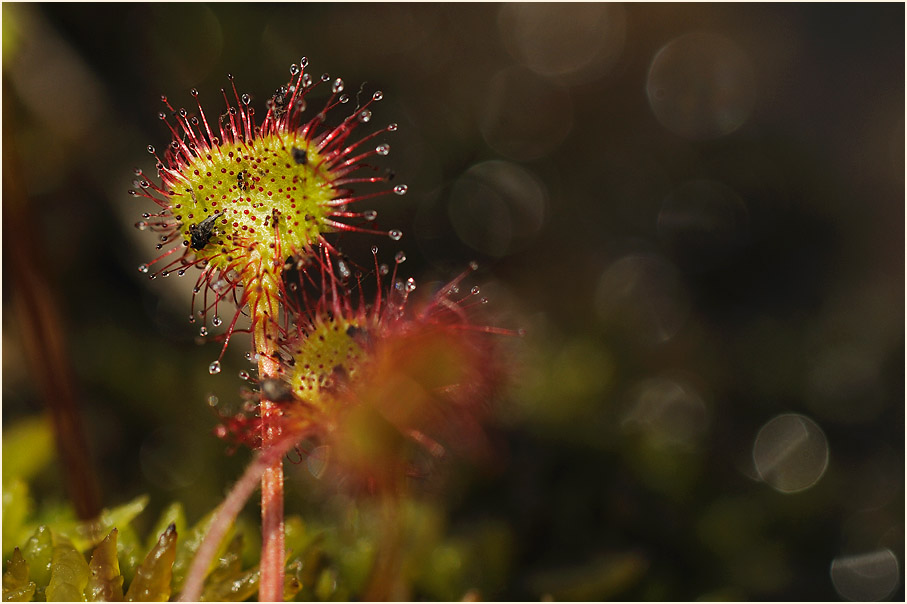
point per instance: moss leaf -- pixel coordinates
(16, 508)
(152, 579)
(38, 551)
(105, 583)
(16, 586)
(69, 574)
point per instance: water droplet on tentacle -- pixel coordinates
(395, 234)
(401, 189)
(214, 368)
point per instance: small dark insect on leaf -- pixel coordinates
(299, 156)
(360, 336)
(241, 180)
(202, 232)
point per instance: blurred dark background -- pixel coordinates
(695, 211)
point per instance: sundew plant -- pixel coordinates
(350, 369)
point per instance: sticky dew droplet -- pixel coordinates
(216, 321)
(203, 331)
(338, 85)
(378, 95)
(214, 368)
(395, 234)
(370, 215)
(400, 257)
(383, 149)
(401, 189)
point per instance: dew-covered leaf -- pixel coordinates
(105, 583)
(69, 574)
(16, 586)
(152, 579)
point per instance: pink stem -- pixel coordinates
(226, 513)
(272, 522)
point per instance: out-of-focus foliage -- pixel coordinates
(105, 559)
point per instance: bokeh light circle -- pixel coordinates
(703, 222)
(701, 86)
(867, 577)
(567, 42)
(524, 116)
(645, 294)
(791, 453)
(495, 205)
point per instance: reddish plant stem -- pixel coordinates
(272, 518)
(226, 513)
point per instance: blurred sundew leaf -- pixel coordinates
(16, 586)
(28, 447)
(69, 573)
(356, 562)
(105, 583)
(16, 508)
(152, 582)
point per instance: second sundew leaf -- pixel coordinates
(16, 586)
(38, 552)
(69, 574)
(105, 583)
(152, 582)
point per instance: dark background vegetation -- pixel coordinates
(686, 267)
